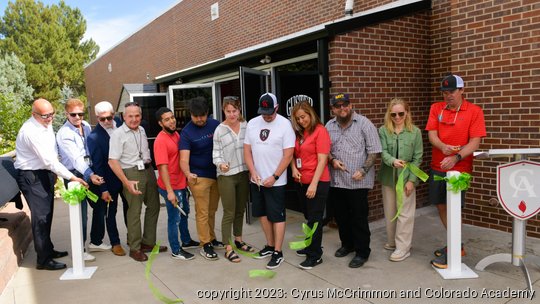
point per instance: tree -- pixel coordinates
(49, 41)
(15, 98)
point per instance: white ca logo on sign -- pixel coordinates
(517, 186)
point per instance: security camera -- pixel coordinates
(266, 60)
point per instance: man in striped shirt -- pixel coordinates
(355, 145)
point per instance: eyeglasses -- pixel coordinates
(341, 105)
(440, 117)
(108, 118)
(76, 114)
(131, 104)
(400, 114)
(45, 116)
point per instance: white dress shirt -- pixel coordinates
(36, 149)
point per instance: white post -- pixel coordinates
(456, 269)
(75, 226)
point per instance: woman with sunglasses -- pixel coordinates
(310, 170)
(401, 144)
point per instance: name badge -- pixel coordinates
(140, 164)
(87, 160)
(298, 163)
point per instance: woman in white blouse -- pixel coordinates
(232, 175)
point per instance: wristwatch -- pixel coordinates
(458, 156)
(276, 177)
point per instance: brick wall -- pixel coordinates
(185, 37)
(378, 63)
(495, 47)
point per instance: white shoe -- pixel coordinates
(399, 255)
(102, 247)
(88, 257)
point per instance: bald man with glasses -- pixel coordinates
(38, 165)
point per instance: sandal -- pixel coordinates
(243, 246)
(232, 256)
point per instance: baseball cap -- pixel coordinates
(339, 97)
(267, 104)
(451, 82)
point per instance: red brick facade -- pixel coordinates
(494, 45)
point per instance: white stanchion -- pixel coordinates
(456, 269)
(79, 271)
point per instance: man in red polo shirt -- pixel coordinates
(455, 128)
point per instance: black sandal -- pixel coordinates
(232, 256)
(243, 246)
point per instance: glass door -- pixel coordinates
(253, 83)
(179, 95)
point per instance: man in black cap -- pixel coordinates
(268, 150)
(355, 145)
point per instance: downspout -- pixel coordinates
(349, 7)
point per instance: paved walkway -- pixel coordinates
(122, 280)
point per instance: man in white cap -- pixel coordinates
(455, 128)
(268, 150)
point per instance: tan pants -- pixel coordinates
(206, 195)
(400, 231)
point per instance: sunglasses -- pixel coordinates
(341, 105)
(45, 116)
(400, 114)
(451, 123)
(76, 114)
(108, 118)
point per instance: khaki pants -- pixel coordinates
(234, 191)
(150, 197)
(400, 231)
(206, 195)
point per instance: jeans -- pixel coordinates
(175, 220)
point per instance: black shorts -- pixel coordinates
(437, 190)
(269, 202)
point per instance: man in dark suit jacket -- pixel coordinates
(105, 209)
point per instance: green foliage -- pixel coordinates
(15, 99)
(12, 115)
(48, 40)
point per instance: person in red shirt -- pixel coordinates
(172, 185)
(455, 128)
(310, 170)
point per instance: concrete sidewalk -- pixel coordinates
(122, 280)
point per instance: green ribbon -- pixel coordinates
(456, 183)
(308, 236)
(401, 184)
(157, 294)
(243, 252)
(75, 195)
(261, 273)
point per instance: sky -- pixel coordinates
(111, 21)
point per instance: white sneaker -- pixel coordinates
(88, 257)
(399, 255)
(102, 247)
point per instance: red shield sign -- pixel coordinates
(518, 188)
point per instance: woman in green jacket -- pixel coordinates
(401, 143)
